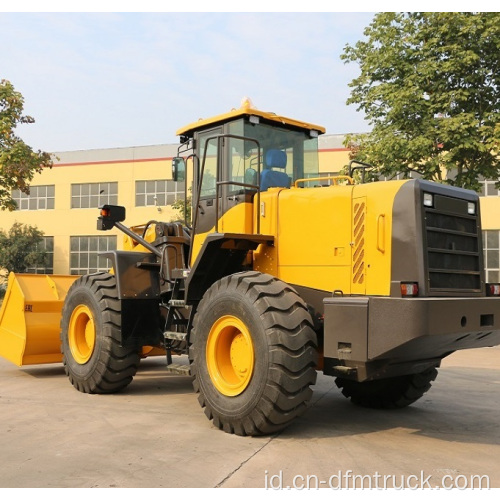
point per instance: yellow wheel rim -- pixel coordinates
(230, 355)
(81, 334)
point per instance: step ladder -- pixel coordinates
(170, 334)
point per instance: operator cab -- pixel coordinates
(237, 156)
(240, 145)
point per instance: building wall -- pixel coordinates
(124, 165)
(490, 221)
(128, 165)
(490, 212)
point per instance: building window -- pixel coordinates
(491, 242)
(85, 250)
(40, 198)
(94, 195)
(488, 188)
(46, 244)
(157, 193)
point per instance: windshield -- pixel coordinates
(293, 152)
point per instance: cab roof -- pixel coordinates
(247, 110)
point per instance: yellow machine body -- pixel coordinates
(351, 226)
(341, 240)
(351, 229)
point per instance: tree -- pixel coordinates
(430, 88)
(183, 206)
(18, 162)
(20, 248)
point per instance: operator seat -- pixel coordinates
(275, 158)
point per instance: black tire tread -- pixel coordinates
(293, 353)
(396, 392)
(117, 365)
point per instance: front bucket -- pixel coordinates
(30, 318)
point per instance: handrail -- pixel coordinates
(334, 178)
(362, 166)
(184, 147)
(193, 156)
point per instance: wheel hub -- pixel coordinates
(230, 355)
(81, 334)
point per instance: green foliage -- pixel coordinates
(18, 162)
(20, 248)
(430, 88)
(183, 206)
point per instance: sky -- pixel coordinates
(97, 77)
(118, 79)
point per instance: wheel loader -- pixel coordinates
(278, 274)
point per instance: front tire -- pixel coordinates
(253, 354)
(394, 392)
(93, 357)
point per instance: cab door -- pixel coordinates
(229, 209)
(208, 171)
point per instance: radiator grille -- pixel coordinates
(453, 253)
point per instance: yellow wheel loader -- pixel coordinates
(279, 273)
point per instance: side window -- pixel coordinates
(210, 158)
(243, 163)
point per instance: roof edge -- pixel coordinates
(247, 109)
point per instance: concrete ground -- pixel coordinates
(154, 434)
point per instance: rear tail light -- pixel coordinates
(409, 289)
(428, 200)
(493, 289)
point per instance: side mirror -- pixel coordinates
(110, 215)
(178, 169)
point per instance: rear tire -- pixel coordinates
(93, 358)
(394, 392)
(253, 354)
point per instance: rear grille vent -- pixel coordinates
(453, 253)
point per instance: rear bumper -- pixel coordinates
(375, 337)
